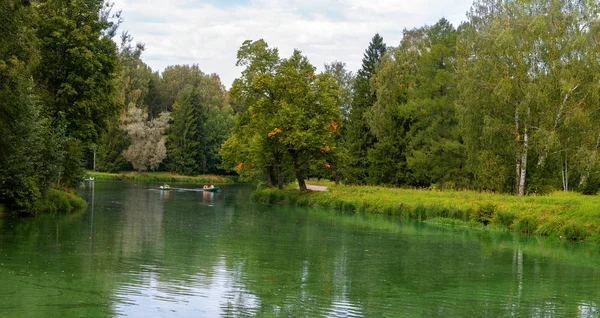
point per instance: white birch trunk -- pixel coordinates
(517, 139)
(524, 153)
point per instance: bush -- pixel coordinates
(591, 186)
(550, 226)
(504, 218)
(527, 224)
(484, 214)
(59, 201)
(573, 231)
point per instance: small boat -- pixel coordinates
(164, 188)
(215, 189)
(89, 179)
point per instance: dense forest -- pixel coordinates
(508, 101)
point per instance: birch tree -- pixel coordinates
(525, 67)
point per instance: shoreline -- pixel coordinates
(160, 177)
(569, 216)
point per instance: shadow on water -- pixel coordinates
(138, 251)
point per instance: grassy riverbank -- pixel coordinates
(61, 201)
(56, 201)
(161, 177)
(565, 215)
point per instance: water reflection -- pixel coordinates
(143, 252)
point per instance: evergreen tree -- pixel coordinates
(414, 120)
(184, 141)
(359, 136)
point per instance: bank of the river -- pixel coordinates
(56, 201)
(565, 215)
(160, 177)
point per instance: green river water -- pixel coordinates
(139, 252)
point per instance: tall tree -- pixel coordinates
(20, 121)
(359, 136)
(525, 67)
(78, 65)
(291, 114)
(184, 143)
(253, 155)
(414, 117)
(147, 149)
(201, 121)
(345, 80)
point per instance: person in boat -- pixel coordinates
(205, 187)
(166, 186)
(212, 186)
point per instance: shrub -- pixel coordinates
(505, 218)
(527, 224)
(591, 186)
(573, 231)
(484, 213)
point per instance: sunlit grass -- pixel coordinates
(562, 214)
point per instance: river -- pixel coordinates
(140, 252)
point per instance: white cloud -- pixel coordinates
(210, 33)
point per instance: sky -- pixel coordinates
(209, 32)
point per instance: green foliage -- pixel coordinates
(78, 66)
(504, 218)
(484, 214)
(20, 121)
(58, 201)
(527, 224)
(201, 123)
(184, 142)
(541, 215)
(525, 100)
(592, 185)
(289, 119)
(359, 138)
(573, 231)
(110, 152)
(413, 117)
(160, 177)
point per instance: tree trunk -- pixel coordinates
(299, 176)
(517, 157)
(94, 166)
(590, 162)
(270, 176)
(279, 177)
(524, 154)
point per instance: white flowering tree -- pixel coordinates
(147, 149)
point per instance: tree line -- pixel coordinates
(507, 102)
(72, 99)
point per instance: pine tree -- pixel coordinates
(183, 141)
(359, 136)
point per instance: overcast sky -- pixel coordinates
(209, 32)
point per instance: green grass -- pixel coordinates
(58, 201)
(563, 215)
(160, 177)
